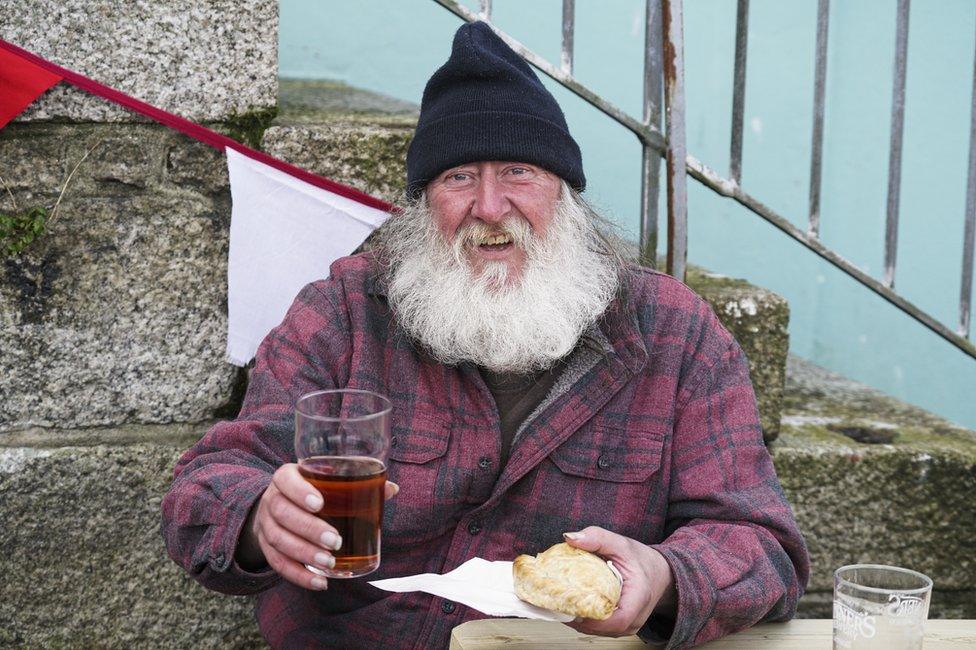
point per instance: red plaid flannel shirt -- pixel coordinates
(658, 440)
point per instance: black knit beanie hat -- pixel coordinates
(485, 103)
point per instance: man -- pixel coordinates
(543, 389)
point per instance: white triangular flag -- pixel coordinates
(284, 233)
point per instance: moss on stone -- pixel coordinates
(249, 127)
(308, 101)
(368, 157)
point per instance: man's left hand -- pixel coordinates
(648, 581)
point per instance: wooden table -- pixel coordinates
(799, 634)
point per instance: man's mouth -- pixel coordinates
(493, 242)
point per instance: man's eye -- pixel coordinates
(459, 177)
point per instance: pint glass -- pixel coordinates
(342, 438)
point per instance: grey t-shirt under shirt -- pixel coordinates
(517, 396)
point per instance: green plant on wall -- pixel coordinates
(20, 228)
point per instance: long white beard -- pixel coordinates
(567, 282)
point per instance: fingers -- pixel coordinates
(289, 535)
(299, 491)
(289, 569)
(609, 627)
(624, 621)
(600, 541)
(299, 521)
(295, 548)
(638, 595)
(391, 490)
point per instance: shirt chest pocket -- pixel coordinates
(419, 441)
(608, 477)
(417, 464)
(612, 454)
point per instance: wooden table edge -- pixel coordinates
(515, 634)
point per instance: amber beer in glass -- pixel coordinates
(342, 438)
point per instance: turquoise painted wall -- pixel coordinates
(392, 46)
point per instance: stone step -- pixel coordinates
(83, 563)
(874, 480)
(360, 139)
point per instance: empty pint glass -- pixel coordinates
(342, 438)
(879, 606)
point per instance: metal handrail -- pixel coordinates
(664, 65)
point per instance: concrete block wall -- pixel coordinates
(112, 324)
(83, 564)
(874, 480)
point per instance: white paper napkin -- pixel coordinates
(485, 586)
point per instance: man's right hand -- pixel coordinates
(283, 531)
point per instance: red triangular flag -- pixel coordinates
(21, 82)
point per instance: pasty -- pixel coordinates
(568, 580)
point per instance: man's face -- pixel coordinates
(483, 204)
(566, 274)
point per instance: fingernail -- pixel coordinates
(314, 502)
(573, 536)
(319, 583)
(331, 540)
(396, 489)
(324, 560)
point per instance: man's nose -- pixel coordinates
(491, 202)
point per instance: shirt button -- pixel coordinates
(484, 462)
(604, 463)
(393, 441)
(474, 528)
(448, 607)
(219, 558)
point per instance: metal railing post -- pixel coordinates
(569, 27)
(739, 90)
(819, 92)
(969, 228)
(674, 121)
(894, 151)
(650, 156)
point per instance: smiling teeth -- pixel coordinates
(494, 240)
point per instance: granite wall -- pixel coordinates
(117, 314)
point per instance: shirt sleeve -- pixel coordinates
(733, 545)
(219, 479)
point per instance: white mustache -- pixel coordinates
(516, 229)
